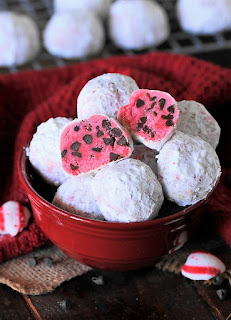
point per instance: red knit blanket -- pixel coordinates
(29, 98)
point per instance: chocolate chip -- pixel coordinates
(122, 141)
(162, 102)
(76, 128)
(32, 262)
(92, 156)
(169, 116)
(169, 123)
(99, 133)
(155, 113)
(148, 95)
(222, 293)
(77, 154)
(97, 149)
(153, 98)
(227, 180)
(75, 146)
(65, 304)
(139, 103)
(153, 134)
(88, 138)
(143, 119)
(89, 127)
(63, 153)
(106, 124)
(114, 156)
(73, 167)
(171, 109)
(147, 129)
(97, 127)
(48, 262)
(139, 125)
(218, 280)
(152, 105)
(116, 132)
(109, 141)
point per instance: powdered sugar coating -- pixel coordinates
(75, 195)
(145, 155)
(99, 7)
(44, 151)
(88, 145)
(74, 34)
(19, 39)
(105, 94)
(204, 16)
(127, 191)
(151, 117)
(188, 169)
(202, 266)
(137, 24)
(195, 120)
(14, 217)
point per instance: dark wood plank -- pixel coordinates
(220, 308)
(144, 294)
(13, 306)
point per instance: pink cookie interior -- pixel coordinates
(152, 114)
(92, 143)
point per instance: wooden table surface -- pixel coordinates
(144, 294)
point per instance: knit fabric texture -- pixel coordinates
(31, 97)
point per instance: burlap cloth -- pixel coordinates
(42, 278)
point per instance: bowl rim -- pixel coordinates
(21, 165)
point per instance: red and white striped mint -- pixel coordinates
(151, 117)
(90, 144)
(14, 217)
(202, 265)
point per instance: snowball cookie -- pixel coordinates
(44, 151)
(146, 155)
(75, 195)
(195, 120)
(99, 7)
(19, 39)
(127, 191)
(137, 24)
(188, 168)
(204, 16)
(105, 94)
(74, 34)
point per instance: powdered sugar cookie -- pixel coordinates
(90, 144)
(76, 196)
(14, 217)
(19, 39)
(44, 151)
(127, 191)
(195, 119)
(151, 117)
(105, 94)
(188, 169)
(74, 34)
(99, 7)
(204, 16)
(137, 24)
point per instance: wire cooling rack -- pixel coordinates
(178, 42)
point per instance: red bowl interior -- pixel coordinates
(109, 245)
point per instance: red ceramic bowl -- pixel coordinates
(109, 245)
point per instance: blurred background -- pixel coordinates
(214, 48)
